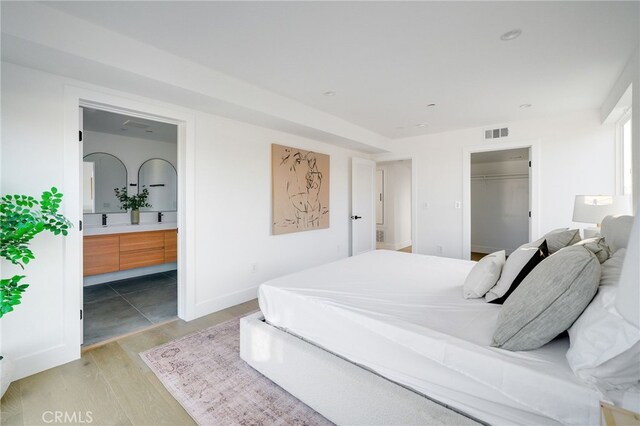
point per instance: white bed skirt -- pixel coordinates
(343, 392)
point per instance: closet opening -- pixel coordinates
(394, 205)
(130, 214)
(500, 200)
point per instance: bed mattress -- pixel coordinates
(404, 317)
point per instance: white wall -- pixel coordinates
(577, 156)
(499, 207)
(232, 212)
(397, 204)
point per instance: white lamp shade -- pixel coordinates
(593, 208)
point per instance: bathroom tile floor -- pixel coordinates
(120, 307)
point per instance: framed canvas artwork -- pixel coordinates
(300, 190)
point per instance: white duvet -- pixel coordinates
(404, 316)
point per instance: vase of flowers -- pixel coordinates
(133, 202)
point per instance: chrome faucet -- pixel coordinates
(104, 219)
(160, 214)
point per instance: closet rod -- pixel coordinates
(501, 176)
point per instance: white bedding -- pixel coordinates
(404, 317)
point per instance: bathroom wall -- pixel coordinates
(132, 152)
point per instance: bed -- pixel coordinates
(387, 338)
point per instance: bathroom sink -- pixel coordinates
(127, 227)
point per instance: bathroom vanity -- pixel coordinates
(128, 249)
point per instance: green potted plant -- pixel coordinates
(133, 202)
(22, 217)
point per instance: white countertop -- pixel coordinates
(127, 227)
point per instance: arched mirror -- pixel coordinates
(160, 178)
(102, 173)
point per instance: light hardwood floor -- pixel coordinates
(110, 381)
(477, 256)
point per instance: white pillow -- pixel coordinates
(605, 348)
(612, 268)
(628, 300)
(484, 275)
(511, 269)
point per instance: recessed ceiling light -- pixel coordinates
(329, 93)
(511, 35)
(431, 105)
(421, 125)
(526, 106)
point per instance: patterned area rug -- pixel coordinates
(204, 373)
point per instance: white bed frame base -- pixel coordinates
(341, 391)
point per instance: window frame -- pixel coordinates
(624, 119)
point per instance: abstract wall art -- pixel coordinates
(300, 190)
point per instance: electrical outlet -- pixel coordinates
(254, 268)
(457, 204)
(440, 249)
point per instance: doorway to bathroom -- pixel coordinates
(130, 231)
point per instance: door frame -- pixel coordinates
(414, 191)
(75, 97)
(534, 185)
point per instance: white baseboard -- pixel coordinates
(39, 361)
(219, 303)
(488, 250)
(6, 375)
(393, 246)
(129, 273)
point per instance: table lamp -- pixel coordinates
(593, 208)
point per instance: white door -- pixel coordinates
(363, 205)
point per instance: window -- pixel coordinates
(625, 167)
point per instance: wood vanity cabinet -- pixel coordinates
(101, 254)
(171, 245)
(118, 252)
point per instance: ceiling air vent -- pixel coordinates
(496, 133)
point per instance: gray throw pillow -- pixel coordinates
(597, 246)
(548, 300)
(561, 238)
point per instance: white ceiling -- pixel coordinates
(124, 125)
(387, 60)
